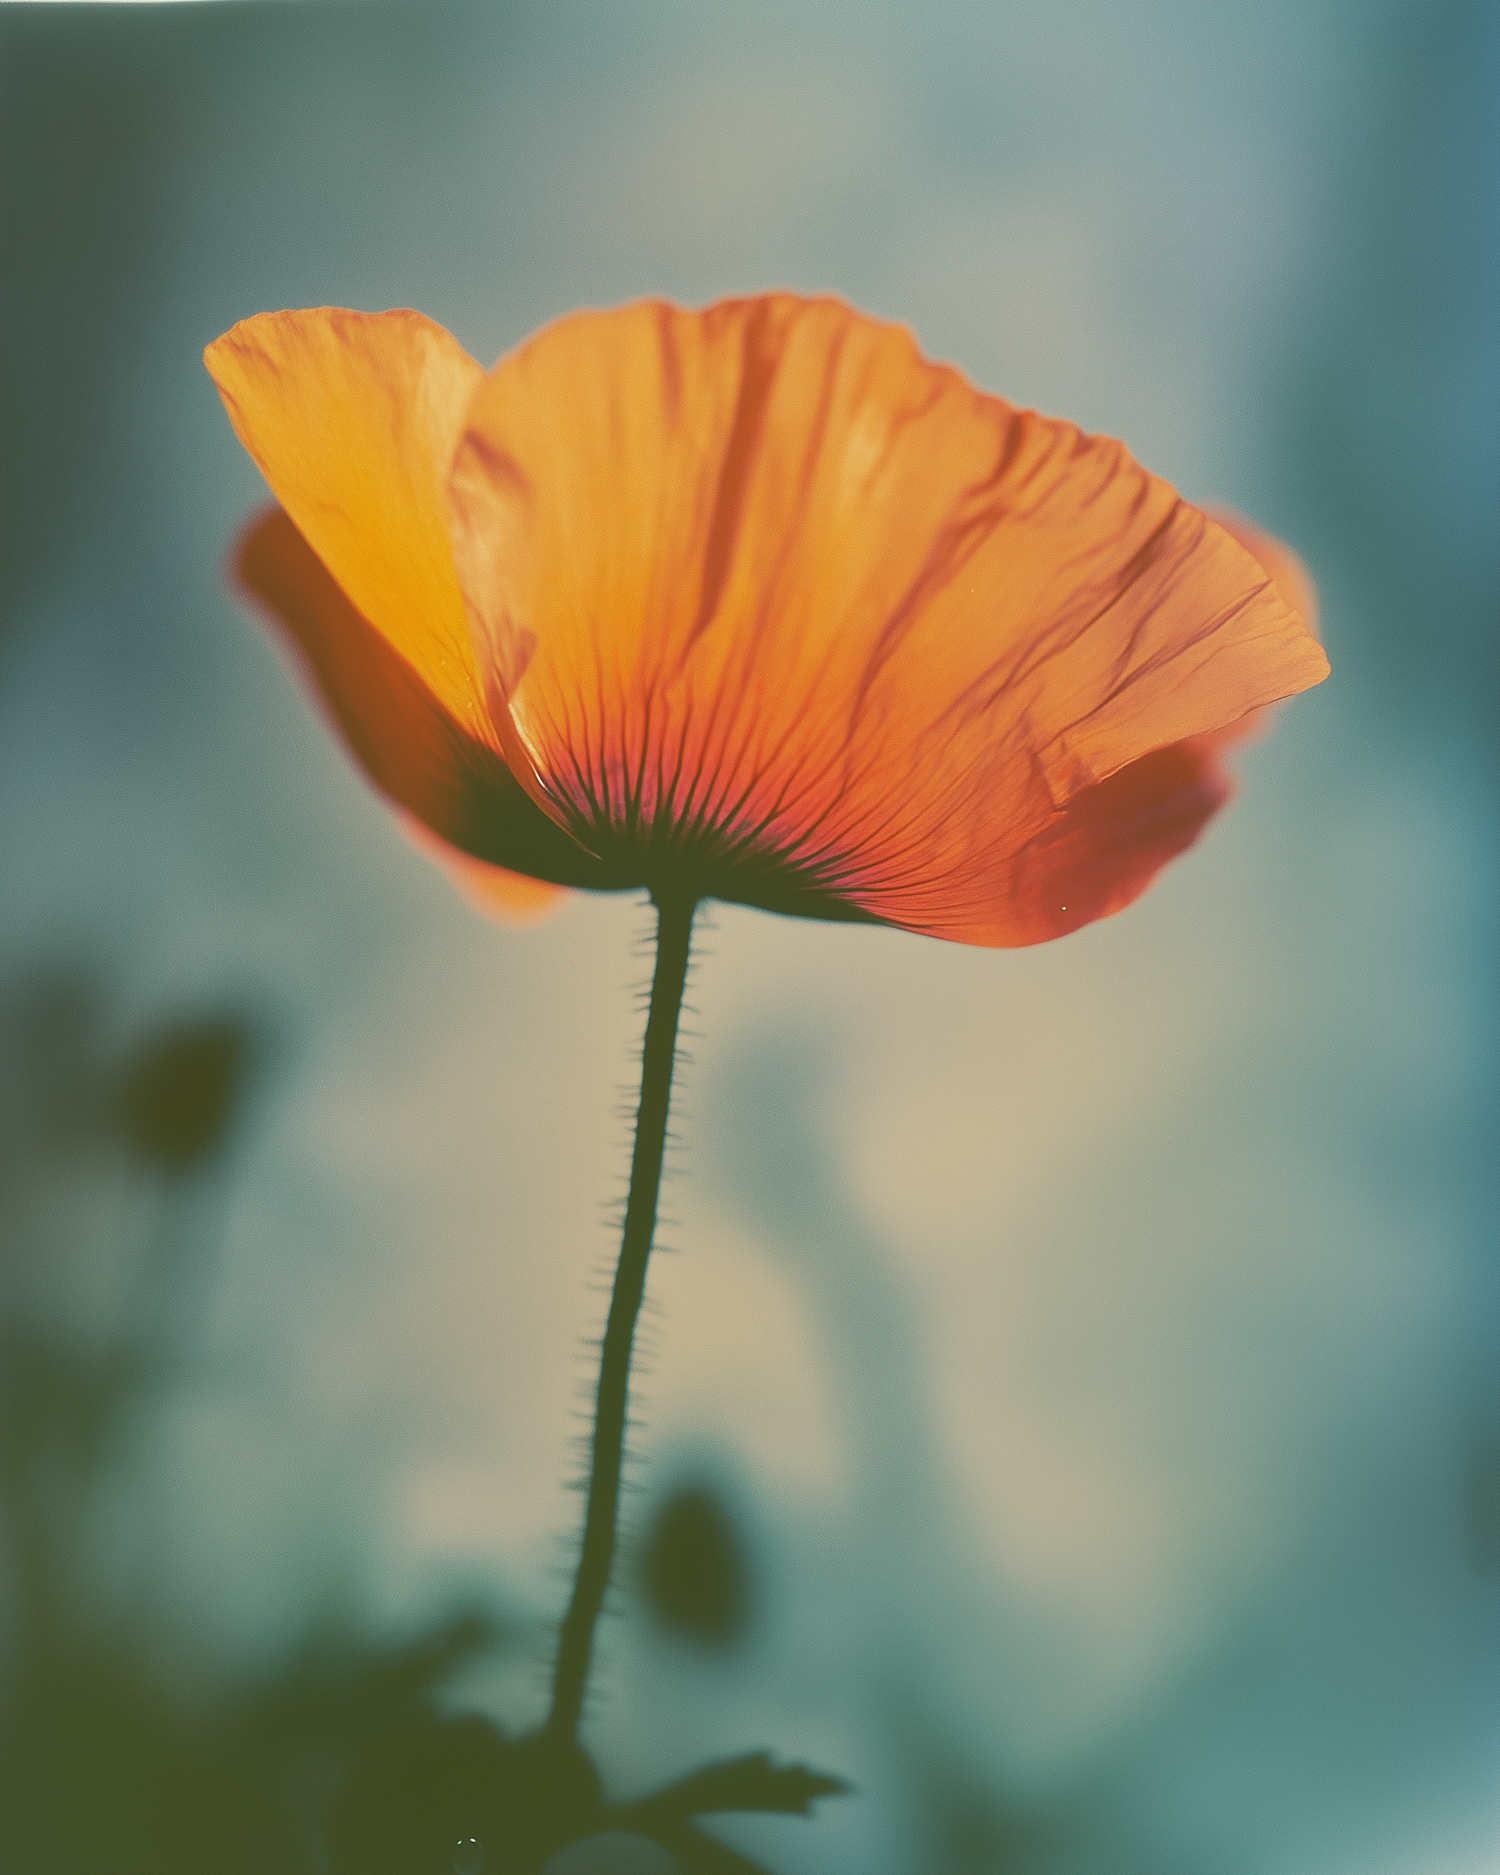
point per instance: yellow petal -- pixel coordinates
(423, 760)
(352, 418)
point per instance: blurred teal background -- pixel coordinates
(1088, 1352)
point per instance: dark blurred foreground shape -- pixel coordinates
(127, 1749)
(176, 1101)
(693, 1570)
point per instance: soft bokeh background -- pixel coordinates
(1085, 1355)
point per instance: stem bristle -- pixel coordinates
(613, 1421)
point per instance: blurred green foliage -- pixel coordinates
(127, 1750)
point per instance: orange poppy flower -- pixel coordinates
(753, 603)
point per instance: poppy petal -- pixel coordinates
(1286, 568)
(1112, 839)
(510, 897)
(408, 744)
(352, 418)
(1295, 584)
(762, 584)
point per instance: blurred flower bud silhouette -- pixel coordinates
(752, 603)
(178, 1096)
(693, 1570)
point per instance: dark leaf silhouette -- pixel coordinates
(748, 1783)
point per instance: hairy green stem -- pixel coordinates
(674, 930)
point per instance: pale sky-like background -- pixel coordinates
(1093, 1340)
